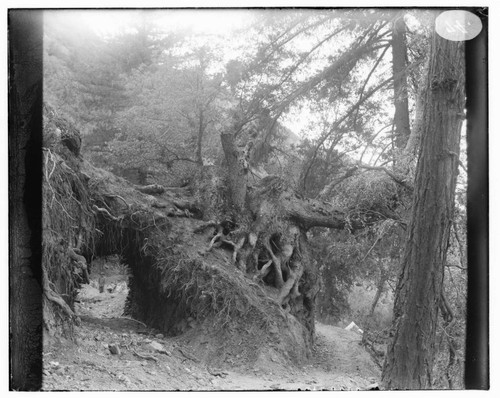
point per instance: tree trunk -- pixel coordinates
(380, 288)
(401, 114)
(25, 196)
(199, 138)
(410, 356)
(236, 173)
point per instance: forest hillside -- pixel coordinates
(272, 200)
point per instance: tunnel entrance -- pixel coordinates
(106, 293)
(136, 284)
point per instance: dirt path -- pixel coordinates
(146, 360)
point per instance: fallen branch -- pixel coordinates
(159, 205)
(188, 356)
(204, 226)
(154, 189)
(217, 373)
(130, 319)
(145, 356)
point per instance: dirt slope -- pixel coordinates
(148, 360)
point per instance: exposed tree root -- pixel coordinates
(265, 269)
(105, 212)
(289, 290)
(80, 262)
(119, 197)
(57, 299)
(278, 279)
(215, 238)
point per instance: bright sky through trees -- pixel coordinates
(212, 22)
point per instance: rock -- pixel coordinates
(159, 348)
(114, 349)
(355, 328)
(59, 371)
(159, 336)
(125, 379)
(373, 387)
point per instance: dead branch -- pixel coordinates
(399, 179)
(145, 356)
(204, 226)
(153, 189)
(129, 319)
(328, 188)
(158, 205)
(188, 356)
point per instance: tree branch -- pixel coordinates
(396, 178)
(329, 187)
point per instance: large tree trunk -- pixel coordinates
(410, 355)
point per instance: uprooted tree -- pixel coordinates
(171, 238)
(252, 261)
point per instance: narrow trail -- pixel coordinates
(146, 360)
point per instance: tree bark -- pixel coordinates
(410, 356)
(25, 197)
(199, 138)
(380, 289)
(236, 172)
(401, 114)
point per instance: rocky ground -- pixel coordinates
(116, 353)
